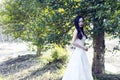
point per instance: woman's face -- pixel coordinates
(80, 23)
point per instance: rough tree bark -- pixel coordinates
(99, 50)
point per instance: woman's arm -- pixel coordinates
(76, 44)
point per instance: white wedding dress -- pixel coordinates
(78, 67)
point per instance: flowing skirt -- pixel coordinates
(78, 67)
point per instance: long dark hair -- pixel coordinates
(80, 30)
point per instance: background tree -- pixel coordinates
(104, 16)
(27, 20)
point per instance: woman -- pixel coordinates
(78, 67)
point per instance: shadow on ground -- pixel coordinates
(51, 67)
(15, 65)
(108, 77)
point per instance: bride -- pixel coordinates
(78, 67)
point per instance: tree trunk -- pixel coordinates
(99, 51)
(38, 51)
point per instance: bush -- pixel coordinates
(59, 54)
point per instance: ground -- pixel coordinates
(19, 63)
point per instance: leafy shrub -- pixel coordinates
(59, 54)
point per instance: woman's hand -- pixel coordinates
(86, 49)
